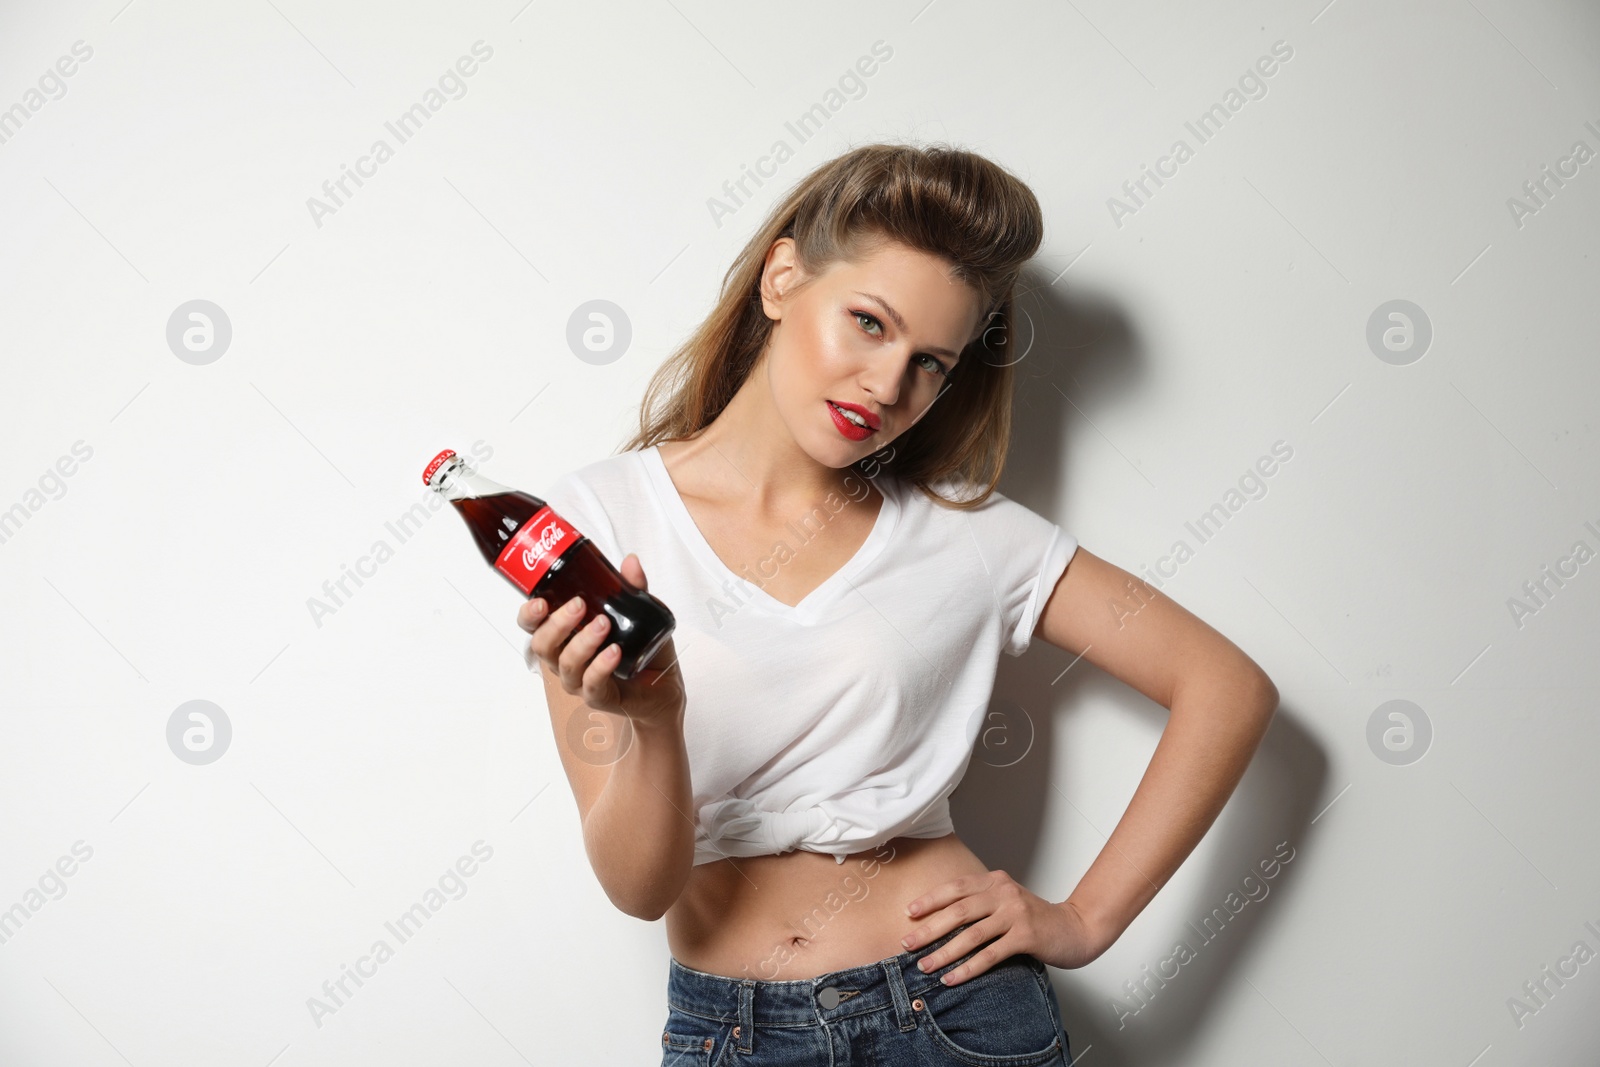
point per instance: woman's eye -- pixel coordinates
(933, 366)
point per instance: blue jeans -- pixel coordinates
(886, 1014)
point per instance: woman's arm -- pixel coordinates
(634, 810)
(636, 805)
(1221, 703)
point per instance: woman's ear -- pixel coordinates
(778, 276)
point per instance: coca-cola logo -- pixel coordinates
(541, 546)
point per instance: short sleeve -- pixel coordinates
(1025, 554)
(574, 500)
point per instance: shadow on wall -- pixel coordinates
(1082, 352)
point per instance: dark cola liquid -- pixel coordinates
(640, 623)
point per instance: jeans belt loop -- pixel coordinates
(747, 1014)
(897, 993)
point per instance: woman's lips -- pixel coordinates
(846, 427)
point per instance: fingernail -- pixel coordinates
(538, 605)
(575, 605)
(905, 942)
(922, 965)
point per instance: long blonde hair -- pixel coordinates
(940, 200)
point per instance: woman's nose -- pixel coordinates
(884, 378)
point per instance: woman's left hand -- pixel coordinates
(997, 906)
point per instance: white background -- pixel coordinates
(371, 747)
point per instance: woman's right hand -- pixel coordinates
(654, 695)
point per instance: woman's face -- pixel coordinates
(879, 335)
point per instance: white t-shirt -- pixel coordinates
(848, 719)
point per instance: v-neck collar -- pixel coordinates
(815, 602)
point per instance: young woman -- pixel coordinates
(813, 483)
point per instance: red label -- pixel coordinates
(538, 544)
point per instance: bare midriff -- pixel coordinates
(803, 914)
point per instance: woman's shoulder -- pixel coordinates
(605, 499)
(964, 504)
(603, 476)
(951, 491)
(608, 494)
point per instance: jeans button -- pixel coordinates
(829, 997)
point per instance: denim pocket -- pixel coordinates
(693, 1040)
(1002, 1018)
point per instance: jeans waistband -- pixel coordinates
(889, 983)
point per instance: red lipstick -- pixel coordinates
(848, 428)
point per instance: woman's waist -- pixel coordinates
(742, 827)
(801, 914)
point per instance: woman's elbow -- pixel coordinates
(1263, 694)
(636, 905)
(650, 900)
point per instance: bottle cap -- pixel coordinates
(433, 465)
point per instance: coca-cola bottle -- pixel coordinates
(543, 555)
